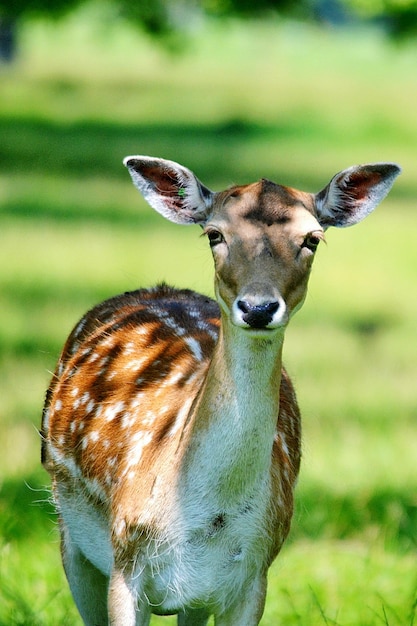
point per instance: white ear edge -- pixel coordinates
(173, 190)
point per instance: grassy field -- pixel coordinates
(283, 101)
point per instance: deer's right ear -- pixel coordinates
(171, 189)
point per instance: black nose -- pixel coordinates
(258, 316)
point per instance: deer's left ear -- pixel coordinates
(352, 194)
(171, 189)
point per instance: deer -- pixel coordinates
(171, 429)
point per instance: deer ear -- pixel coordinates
(171, 189)
(353, 193)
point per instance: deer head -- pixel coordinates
(263, 236)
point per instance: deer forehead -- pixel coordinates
(264, 211)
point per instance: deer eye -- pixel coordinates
(311, 242)
(215, 237)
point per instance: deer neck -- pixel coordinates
(233, 422)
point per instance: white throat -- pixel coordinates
(236, 415)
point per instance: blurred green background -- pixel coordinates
(294, 101)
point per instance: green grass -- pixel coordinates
(284, 101)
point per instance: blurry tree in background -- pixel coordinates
(398, 16)
(164, 19)
(11, 11)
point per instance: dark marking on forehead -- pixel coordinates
(273, 204)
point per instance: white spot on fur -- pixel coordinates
(195, 347)
(180, 418)
(136, 364)
(137, 401)
(192, 378)
(172, 379)
(45, 420)
(89, 407)
(108, 343)
(128, 420)
(149, 418)
(113, 410)
(120, 528)
(140, 440)
(79, 328)
(284, 444)
(98, 412)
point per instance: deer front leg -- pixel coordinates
(124, 608)
(248, 610)
(88, 585)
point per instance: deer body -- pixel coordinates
(171, 430)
